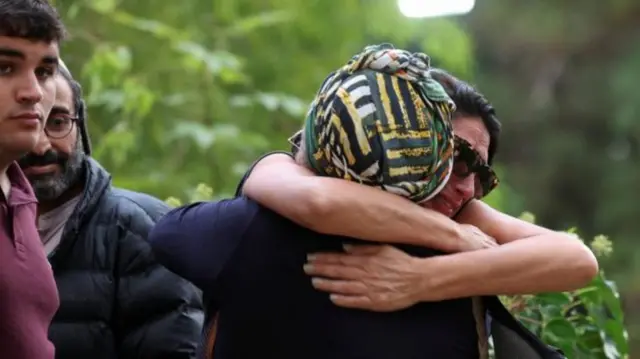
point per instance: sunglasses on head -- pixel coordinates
(468, 161)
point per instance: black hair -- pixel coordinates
(470, 102)
(31, 19)
(79, 107)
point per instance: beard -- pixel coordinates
(49, 187)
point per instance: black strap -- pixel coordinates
(519, 335)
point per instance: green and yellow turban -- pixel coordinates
(381, 120)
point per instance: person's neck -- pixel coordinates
(47, 206)
(5, 184)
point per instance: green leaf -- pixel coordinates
(560, 330)
(173, 202)
(555, 299)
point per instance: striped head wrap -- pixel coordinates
(381, 120)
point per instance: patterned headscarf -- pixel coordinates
(381, 120)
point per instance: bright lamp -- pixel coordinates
(434, 8)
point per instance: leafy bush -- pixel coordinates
(585, 324)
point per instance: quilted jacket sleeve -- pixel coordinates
(159, 314)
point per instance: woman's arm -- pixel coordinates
(528, 266)
(503, 227)
(338, 207)
(531, 259)
(384, 278)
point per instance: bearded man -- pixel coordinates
(116, 301)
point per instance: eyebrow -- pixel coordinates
(56, 110)
(8, 52)
(51, 60)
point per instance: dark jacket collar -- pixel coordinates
(97, 182)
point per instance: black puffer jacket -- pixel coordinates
(115, 300)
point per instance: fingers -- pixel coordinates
(339, 286)
(336, 258)
(362, 249)
(491, 242)
(333, 271)
(353, 301)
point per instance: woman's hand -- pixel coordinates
(374, 277)
(474, 239)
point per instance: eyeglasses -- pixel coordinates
(59, 125)
(467, 161)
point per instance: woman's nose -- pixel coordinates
(465, 187)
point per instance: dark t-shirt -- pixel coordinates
(248, 261)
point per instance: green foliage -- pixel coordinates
(585, 324)
(180, 95)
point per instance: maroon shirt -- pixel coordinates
(28, 294)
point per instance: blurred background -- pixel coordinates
(182, 93)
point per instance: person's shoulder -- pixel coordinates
(133, 209)
(253, 166)
(261, 219)
(239, 208)
(243, 214)
(138, 203)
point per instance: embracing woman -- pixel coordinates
(492, 253)
(383, 158)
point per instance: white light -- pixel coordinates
(435, 8)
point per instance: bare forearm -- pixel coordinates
(527, 266)
(389, 219)
(337, 207)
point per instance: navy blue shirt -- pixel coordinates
(248, 261)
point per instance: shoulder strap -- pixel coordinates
(511, 339)
(211, 337)
(479, 314)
